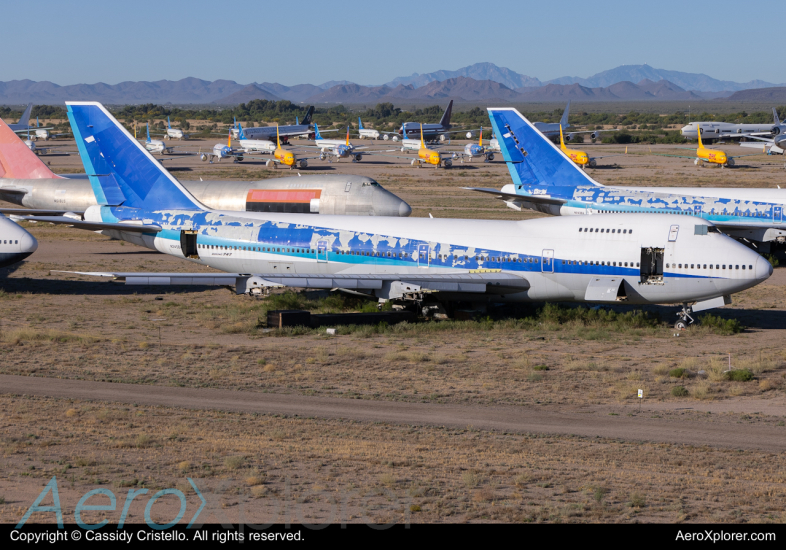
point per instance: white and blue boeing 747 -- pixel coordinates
(545, 179)
(625, 258)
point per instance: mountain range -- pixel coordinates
(478, 82)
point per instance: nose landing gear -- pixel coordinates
(685, 320)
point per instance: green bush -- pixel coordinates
(739, 375)
(677, 373)
(679, 391)
(719, 325)
(540, 367)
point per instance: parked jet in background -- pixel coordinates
(23, 124)
(580, 157)
(253, 145)
(174, 133)
(720, 130)
(546, 180)
(473, 150)
(28, 182)
(336, 148)
(711, 156)
(774, 145)
(282, 133)
(156, 145)
(413, 260)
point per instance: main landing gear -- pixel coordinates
(685, 320)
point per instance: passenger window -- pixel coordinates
(736, 267)
(750, 267)
(579, 229)
(724, 266)
(691, 266)
(743, 267)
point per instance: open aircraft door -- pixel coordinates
(547, 261)
(424, 255)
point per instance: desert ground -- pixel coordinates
(529, 415)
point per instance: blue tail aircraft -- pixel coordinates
(421, 262)
(546, 180)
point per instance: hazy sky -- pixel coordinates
(295, 42)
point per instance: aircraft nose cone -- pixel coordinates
(28, 244)
(387, 204)
(763, 268)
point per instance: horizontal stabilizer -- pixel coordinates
(95, 226)
(537, 199)
(21, 212)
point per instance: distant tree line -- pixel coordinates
(634, 127)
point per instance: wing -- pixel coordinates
(473, 281)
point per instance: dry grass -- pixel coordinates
(448, 474)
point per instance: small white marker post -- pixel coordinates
(641, 397)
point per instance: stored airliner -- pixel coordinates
(623, 258)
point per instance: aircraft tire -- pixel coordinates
(680, 324)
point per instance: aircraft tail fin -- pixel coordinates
(309, 114)
(147, 127)
(532, 159)
(297, 121)
(347, 135)
(445, 120)
(168, 124)
(564, 120)
(698, 135)
(36, 123)
(360, 124)
(120, 169)
(317, 135)
(480, 143)
(561, 138)
(240, 133)
(24, 120)
(775, 117)
(17, 160)
(422, 143)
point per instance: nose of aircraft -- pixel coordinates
(387, 204)
(28, 244)
(763, 268)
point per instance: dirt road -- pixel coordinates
(547, 420)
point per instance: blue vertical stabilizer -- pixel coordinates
(120, 169)
(531, 157)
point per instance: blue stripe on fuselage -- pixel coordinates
(354, 247)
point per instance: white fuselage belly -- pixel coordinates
(257, 145)
(578, 256)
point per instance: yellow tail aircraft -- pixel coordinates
(429, 156)
(287, 158)
(711, 156)
(580, 157)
